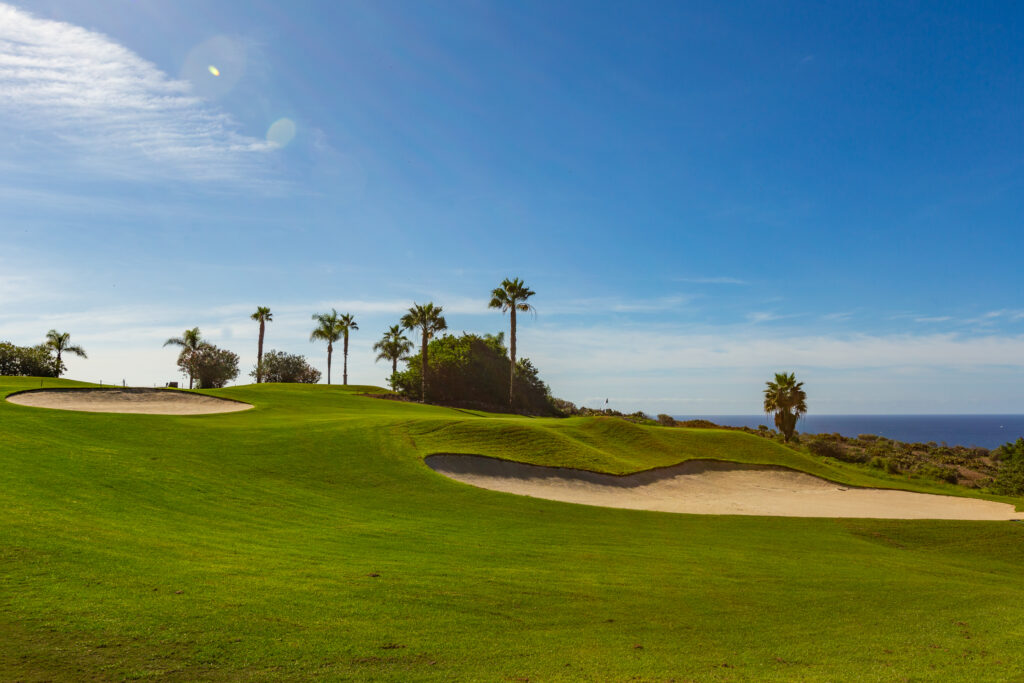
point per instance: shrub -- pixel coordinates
(892, 467)
(279, 366)
(697, 424)
(878, 462)
(825, 448)
(666, 420)
(564, 407)
(473, 371)
(946, 474)
(1009, 479)
(211, 366)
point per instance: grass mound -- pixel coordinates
(306, 539)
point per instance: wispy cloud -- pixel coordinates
(90, 92)
(600, 305)
(933, 319)
(763, 317)
(838, 316)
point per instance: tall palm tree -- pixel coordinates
(428, 318)
(393, 346)
(786, 399)
(262, 316)
(347, 322)
(190, 342)
(328, 329)
(60, 342)
(511, 296)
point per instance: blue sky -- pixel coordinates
(700, 194)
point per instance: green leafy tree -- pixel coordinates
(348, 322)
(427, 317)
(60, 343)
(512, 296)
(785, 398)
(471, 371)
(262, 316)
(279, 366)
(393, 346)
(330, 330)
(32, 361)
(191, 341)
(213, 367)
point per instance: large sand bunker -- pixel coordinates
(711, 487)
(151, 401)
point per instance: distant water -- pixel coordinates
(986, 431)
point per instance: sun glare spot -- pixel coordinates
(213, 70)
(281, 132)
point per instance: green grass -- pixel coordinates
(306, 539)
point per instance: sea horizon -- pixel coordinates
(982, 430)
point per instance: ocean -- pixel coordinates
(986, 431)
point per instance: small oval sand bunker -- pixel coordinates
(149, 401)
(711, 487)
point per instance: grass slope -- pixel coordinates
(305, 539)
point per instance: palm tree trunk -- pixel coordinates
(58, 362)
(259, 355)
(423, 368)
(330, 349)
(394, 366)
(512, 354)
(344, 371)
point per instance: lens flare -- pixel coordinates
(281, 132)
(213, 70)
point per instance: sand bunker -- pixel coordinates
(712, 487)
(151, 401)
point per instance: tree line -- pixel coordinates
(209, 366)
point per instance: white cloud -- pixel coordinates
(763, 317)
(933, 319)
(602, 305)
(96, 95)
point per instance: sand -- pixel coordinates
(149, 401)
(712, 487)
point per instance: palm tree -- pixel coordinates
(786, 400)
(328, 329)
(347, 322)
(393, 346)
(428, 318)
(262, 316)
(60, 342)
(190, 342)
(511, 296)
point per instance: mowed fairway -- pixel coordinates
(306, 539)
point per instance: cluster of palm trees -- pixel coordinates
(784, 397)
(511, 295)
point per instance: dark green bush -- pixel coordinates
(473, 371)
(279, 366)
(827, 448)
(1009, 479)
(946, 474)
